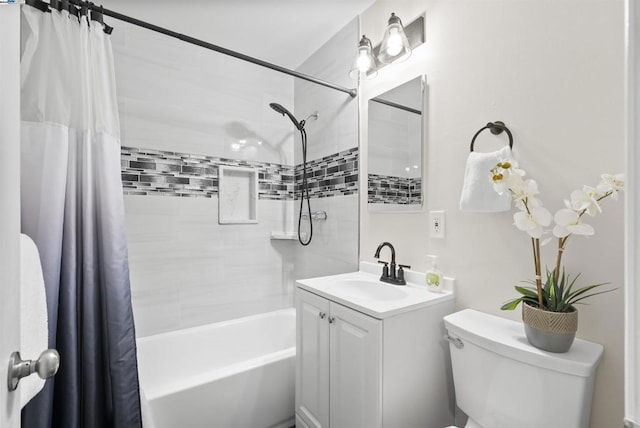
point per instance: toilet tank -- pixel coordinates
(503, 382)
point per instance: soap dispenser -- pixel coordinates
(434, 276)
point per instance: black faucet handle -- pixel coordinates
(385, 269)
(401, 272)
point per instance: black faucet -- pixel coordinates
(389, 275)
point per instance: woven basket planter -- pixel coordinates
(549, 331)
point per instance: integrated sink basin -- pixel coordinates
(364, 292)
(366, 289)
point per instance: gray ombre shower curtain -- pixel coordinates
(72, 207)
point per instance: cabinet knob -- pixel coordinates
(322, 315)
(331, 320)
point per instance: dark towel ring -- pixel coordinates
(496, 128)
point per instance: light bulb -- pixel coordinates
(394, 43)
(364, 60)
(364, 65)
(395, 46)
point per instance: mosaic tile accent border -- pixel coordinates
(157, 172)
(332, 175)
(387, 189)
(166, 173)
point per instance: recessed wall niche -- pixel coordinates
(238, 195)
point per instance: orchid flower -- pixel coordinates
(523, 194)
(611, 184)
(568, 222)
(533, 221)
(586, 200)
(506, 176)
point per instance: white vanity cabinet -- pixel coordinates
(371, 370)
(338, 374)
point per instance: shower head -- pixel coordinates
(283, 111)
(277, 107)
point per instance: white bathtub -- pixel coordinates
(233, 374)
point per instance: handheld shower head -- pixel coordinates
(283, 111)
(305, 186)
(277, 107)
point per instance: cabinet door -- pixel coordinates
(355, 355)
(312, 362)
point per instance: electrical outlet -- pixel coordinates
(436, 224)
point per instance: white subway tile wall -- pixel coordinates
(333, 139)
(185, 111)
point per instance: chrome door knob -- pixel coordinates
(46, 366)
(48, 363)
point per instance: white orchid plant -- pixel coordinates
(532, 217)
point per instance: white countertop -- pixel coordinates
(387, 299)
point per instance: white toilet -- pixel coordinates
(503, 382)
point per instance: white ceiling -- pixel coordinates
(284, 32)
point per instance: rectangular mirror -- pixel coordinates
(395, 170)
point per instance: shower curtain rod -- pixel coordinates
(210, 46)
(396, 105)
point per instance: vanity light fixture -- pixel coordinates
(395, 44)
(364, 66)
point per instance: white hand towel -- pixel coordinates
(477, 191)
(34, 328)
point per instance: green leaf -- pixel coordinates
(568, 292)
(511, 305)
(591, 295)
(580, 291)
(533, 301)
(562, 282)
(527, 291)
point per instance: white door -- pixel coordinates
(356, 369)
(9, 205)
(312, 362)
